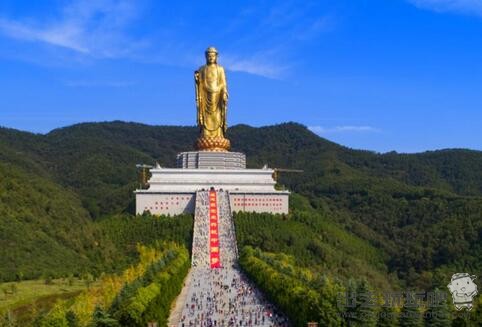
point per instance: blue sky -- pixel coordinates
(381, 75)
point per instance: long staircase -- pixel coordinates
(216, 292)
(200, 241)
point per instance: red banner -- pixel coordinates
(213, 231)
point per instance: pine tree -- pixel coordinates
(438, 313)
(410, 316)
(387, 317)
(328, 310)
(366, 304)
(361, 309)
(103, 319)
(351, 318)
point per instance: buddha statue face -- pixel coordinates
(211, 57)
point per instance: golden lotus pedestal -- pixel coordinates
(217, 144)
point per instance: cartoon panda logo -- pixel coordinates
(463, 290)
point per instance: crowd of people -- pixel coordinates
(227, 236)
(200, 242)
(222, 296)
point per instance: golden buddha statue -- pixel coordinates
(212, 104)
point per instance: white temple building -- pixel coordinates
(172, 191)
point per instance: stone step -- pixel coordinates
(221, 296)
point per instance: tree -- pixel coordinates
(56, 317)
(328, 310)
(438, 313)
(103, 319)
(366, 303)
(19, 276)
(387, 317)
(72, 319)
(362, 304)
(410, 316)
(13, 288)
(88, 279)
(70, 280)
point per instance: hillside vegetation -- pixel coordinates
(422, 212)
(42, 224)
(315, 243)
(142, 293)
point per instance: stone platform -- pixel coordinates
(211, 160)
(172, 191)
(180, 180)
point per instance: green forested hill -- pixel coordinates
(317, 244)
(424, 211)
(43, 228)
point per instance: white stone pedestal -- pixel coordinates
(211, 160)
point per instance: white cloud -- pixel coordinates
(472, 7)
(343, 129)
(262, 39)
(252, 65)
(92, 28)
(316, 27)
(268, 36)
(63, 37)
